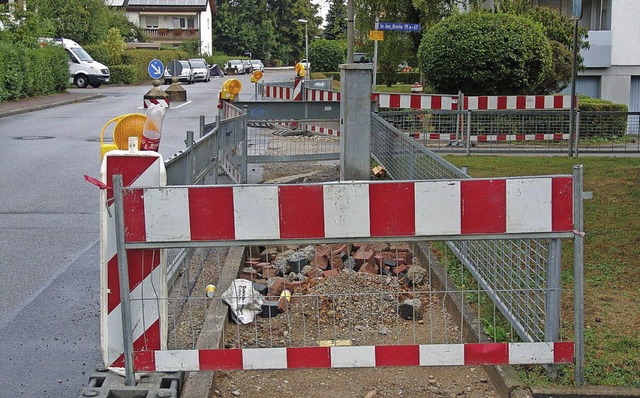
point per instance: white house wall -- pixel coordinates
(625, 46)
(206, 41)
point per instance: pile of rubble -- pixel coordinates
(351, 291)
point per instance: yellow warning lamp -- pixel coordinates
(256, 76)
(230, 89)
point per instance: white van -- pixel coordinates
(83, 70)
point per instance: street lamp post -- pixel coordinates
(306, 40)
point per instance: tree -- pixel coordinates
(83, 21)
(485, 54)
(336, 27)
(395, 46)
(326, 55)
(115, 46)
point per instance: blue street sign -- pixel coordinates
(156, 69)
(405, 27)
(577, 9)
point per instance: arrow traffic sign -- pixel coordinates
(156, 69)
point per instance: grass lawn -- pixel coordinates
(611, 263)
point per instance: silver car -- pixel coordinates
(186, 75)
(257, 65)
(200, 69)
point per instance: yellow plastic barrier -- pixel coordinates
(124, 126)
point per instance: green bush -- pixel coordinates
(99, 52)
(123, 74)
(595, 124)
(325, 55)
(139, 60)
(485, 54)
(27, 72)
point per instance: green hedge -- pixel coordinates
(139, 59)
(594, 124)
(123, 74)
(27, 72)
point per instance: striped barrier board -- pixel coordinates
(147, 268)
(277, 92)
(321, 130)
(297, 89)
(520, 102)
(491, 137)
(156, 101)
(348, 210)
(355, 357)
(231, 171)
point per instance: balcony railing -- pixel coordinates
(178, 34)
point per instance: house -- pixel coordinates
(613, 61)
(171, 22)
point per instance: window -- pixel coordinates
(184, 22)
(151, 21)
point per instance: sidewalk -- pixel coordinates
(45, 102)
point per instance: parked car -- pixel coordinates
(234, 67)
(257, 65)
(200, 69)
(248, 68)
(186, 75)
(361, 58)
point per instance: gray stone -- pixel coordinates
(410, 309)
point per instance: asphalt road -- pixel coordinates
(49, 226)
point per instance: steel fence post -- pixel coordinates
(123, 277)
(577, 140)
(202, 123)
(191, 156)
(216, 168)
(468, 149)
(578, 273)
(243, 144)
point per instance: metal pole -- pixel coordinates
(375, 59)
(350, 31)
(578, 273)
(577, 140)
(191, 157)
(574, 74)
(468, 149)
(123, 278)
(306, 46)
(552, 310)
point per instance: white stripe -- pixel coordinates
(530, 353)
(143, 312)
(548, 102)
(405, 101)
(530, 102)
(472, 103)
(166, 214)
(528, 205)
(447, 103)
(353, 357)
(153, 176)
(264, 358)
(384, 100)
(177, 360)
(425, 102)
(492, 102)
(111, 244)
(346, 210)
(511, 102)
(437, 207)
(566, 102)
(256, 212)
(442, 355)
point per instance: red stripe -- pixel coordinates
(398, 355)
(148, 341)
(138, 271)
(539, 137)
(520, 137)
(558, 101)
(436, 102)
(308, 357)
(301, 211)
(563, 352)
(557, 137)
(434, 136)
(394, 100)
(539, 103)
(562, 204)
(486, 354)
(211, 213)
(521, 102)
(416, 102)
(134, 224)
(482, 137)
(220, 359)
(392, 209)
(483, 206)
(130, 167)
(144, 361)
(502, 102)
(483, 102)
(501, 137)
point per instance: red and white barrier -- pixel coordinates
(417, 101)
(298, 84)
(147, 268)
(322, 130)
(277, 92)
(352, 210)
(156, 101)
(492, 137)
(520, 102)
(356, 357)
(322, 95)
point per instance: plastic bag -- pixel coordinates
(152, 130)
(245, 301)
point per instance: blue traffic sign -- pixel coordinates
(156, 69)
(405, 27)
